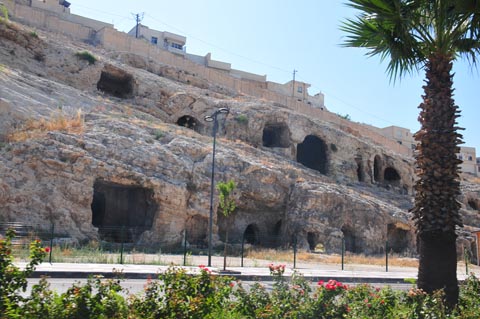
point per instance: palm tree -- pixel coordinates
(430, 35)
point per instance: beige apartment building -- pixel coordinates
(468, 156)
(403, 136)
(299, 91)
(168, 41)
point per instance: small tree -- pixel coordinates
(4, 11)
(227, 205)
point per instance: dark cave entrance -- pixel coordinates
(377, 169)
(277, 229)
(196, 229)
(391, 176)
(312, 240)
(122, 212)
(472, 204)
(352, 242)
(360, 169)
(276, 135)
(313, 153)
(397, 239)
(189, 122)
(116, 82)
(251, 234)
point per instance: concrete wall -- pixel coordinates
(41, 15)
(247, 76)
(49, 5)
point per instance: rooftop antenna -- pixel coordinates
(138, 18)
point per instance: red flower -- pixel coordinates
(320, 283)
(232, 284)
(47, 249)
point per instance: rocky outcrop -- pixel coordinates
(142, 158)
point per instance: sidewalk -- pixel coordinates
(352, 273)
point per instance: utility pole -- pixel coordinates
(138, 18)
(293, 86)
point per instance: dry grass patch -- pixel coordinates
(58, 121)
(287, 255)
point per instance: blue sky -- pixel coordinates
(274, 37)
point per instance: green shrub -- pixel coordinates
(158, 134)
(4, 11)
(86, 56)
(180, 295)
(13, 281)
(241, 118)
(34, 34)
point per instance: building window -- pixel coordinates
(300, 89)
(470, 158)
(413, 146)
(176, 46)
(460, 157)
(154, 40)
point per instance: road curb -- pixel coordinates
(243, 277)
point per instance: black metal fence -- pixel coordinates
(120, 245)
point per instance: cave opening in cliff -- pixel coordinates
(312, 240)
(352, 242)
(196, 229)
(277, 230)
(377, 169)
(391, 175)
(312, 153)
(189, 122)
(472, 204)
(116, 82)
(251, 234)
(397, 238)
(122, 212)
(276, 135)
(360, 170)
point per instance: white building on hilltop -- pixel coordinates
(165, 40)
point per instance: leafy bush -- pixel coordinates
(4, 11)
(13, 281)
(86, 56)
(241, 118)
(180, 295)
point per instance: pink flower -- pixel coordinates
(320, 282)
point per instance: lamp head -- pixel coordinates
(208, 118)
(223, 110)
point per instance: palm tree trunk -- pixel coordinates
(436, 210)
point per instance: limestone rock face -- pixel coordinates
(142, 157)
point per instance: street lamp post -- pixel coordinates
(213, 118)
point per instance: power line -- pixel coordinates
(217, 47)
(100, 11)
(140, 16)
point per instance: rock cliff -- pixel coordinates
(121, 141)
